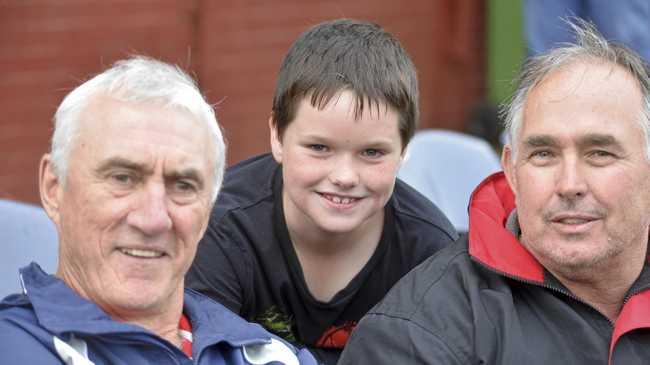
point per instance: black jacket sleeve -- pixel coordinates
(383, 339)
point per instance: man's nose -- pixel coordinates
(151, 214)
(344, 173)
(571, 181)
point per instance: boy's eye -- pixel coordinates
(317, 147)
(373, 153)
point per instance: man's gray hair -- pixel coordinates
(138, 79)
(590, 45)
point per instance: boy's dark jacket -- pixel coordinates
(247, 262)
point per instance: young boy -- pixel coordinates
(307, 239)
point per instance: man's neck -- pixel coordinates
(164, 326)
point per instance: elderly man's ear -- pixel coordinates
(50, 188)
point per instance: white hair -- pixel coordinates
(589, 45)
(138, 79)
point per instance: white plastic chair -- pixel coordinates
(446, 166)
(28, 235)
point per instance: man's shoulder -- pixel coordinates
(17, 307)
(22, 339)
(256, 343)
(430, 309)
(441, 280)
(418, 213)
(215, 316)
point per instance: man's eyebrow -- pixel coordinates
(542, 140)
(599, 140)
(121, 162)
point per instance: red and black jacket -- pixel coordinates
(487, 300)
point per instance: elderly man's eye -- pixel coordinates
(185, 187)
(123, 179)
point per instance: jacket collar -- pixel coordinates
(490, 243)
(59, 309)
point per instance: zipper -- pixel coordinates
(549, 287)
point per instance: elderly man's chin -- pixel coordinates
(140, 284)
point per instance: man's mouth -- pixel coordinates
(574, 221)
(574, 218)
(144, 254)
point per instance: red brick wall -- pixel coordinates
(233, 47)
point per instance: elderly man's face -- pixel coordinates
(135, 203)
(581, 178)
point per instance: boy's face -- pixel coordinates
(338, 172)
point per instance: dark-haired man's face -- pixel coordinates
(338, 171)
(581, 175)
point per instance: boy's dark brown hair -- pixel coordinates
(347, 55)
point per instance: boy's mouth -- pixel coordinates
(338, 199)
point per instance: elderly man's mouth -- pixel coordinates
(143, 254)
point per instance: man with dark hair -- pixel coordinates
(136, 163)
(307, 239)
(555, 268)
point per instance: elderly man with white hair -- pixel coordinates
(136, 163)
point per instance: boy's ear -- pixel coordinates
(276, 144)
(50, 188)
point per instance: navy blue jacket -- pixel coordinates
(51, 324)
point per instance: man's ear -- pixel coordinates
(50, 188)
(276, 143)
(508, 166)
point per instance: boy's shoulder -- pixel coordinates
(411, 206)
(247, 182)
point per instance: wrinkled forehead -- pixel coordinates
(144, 132)
(601, 95)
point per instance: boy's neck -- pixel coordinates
(330, 261)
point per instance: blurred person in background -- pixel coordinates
(623, 21)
